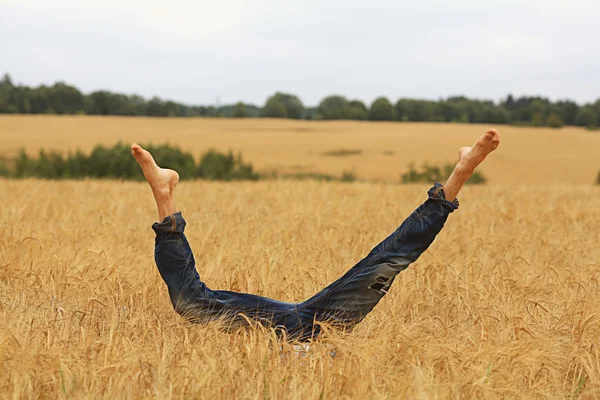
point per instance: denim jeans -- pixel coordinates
(342, 304)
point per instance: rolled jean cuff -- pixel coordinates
(436, 193)
(174, 223)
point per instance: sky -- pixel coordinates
(224, 51)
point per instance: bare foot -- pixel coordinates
(161, 180)
(468, 159)
(471, 157)
(463, 151)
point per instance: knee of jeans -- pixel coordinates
(383, 276)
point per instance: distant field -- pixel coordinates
(374, 151)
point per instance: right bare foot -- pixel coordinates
(161, 180)
(470, 157)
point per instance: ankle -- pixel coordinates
(465, 167)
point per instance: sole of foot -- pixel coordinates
(161, 180)
(472, 156)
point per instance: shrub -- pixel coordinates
(4, 171)
(116, 162)
(218, 166)
(537, 119)
(342, 152)
(348, 176)
(554, 121)
(432, 173)
(309, 175)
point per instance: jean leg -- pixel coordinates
(194, 300)
(176, 264)
(349, 299)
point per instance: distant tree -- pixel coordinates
(65, 99)
(453, 110)
(137, 105)
(554, 121)
(334, 107)
(568, 111)
(509, 103)
(587, 117)
(172, 109)
(293, 106)
(381, 110)
(496, 115)
(310, 113)
(596, 107)
(156, 108)
(274, 108)
(416, 110)
(106, 103)
(239, 111)
(6, 88)
(537, 119)
(6, 80)
(357, 110)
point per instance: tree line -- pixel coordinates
(62, 98)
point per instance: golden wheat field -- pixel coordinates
(504, 304)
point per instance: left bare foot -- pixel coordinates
(161, 180)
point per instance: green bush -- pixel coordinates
(116, 162)
(432, 174)
(554, 121)
(4, 171)
(342, 152)
(224, 167)
(348, 176)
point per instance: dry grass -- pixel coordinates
(504, 304)
(529, 155)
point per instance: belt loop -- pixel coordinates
(173, 223)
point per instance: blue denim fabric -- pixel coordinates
(343, 304)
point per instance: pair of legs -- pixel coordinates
(345, 302)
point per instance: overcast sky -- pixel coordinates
(196, 51)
